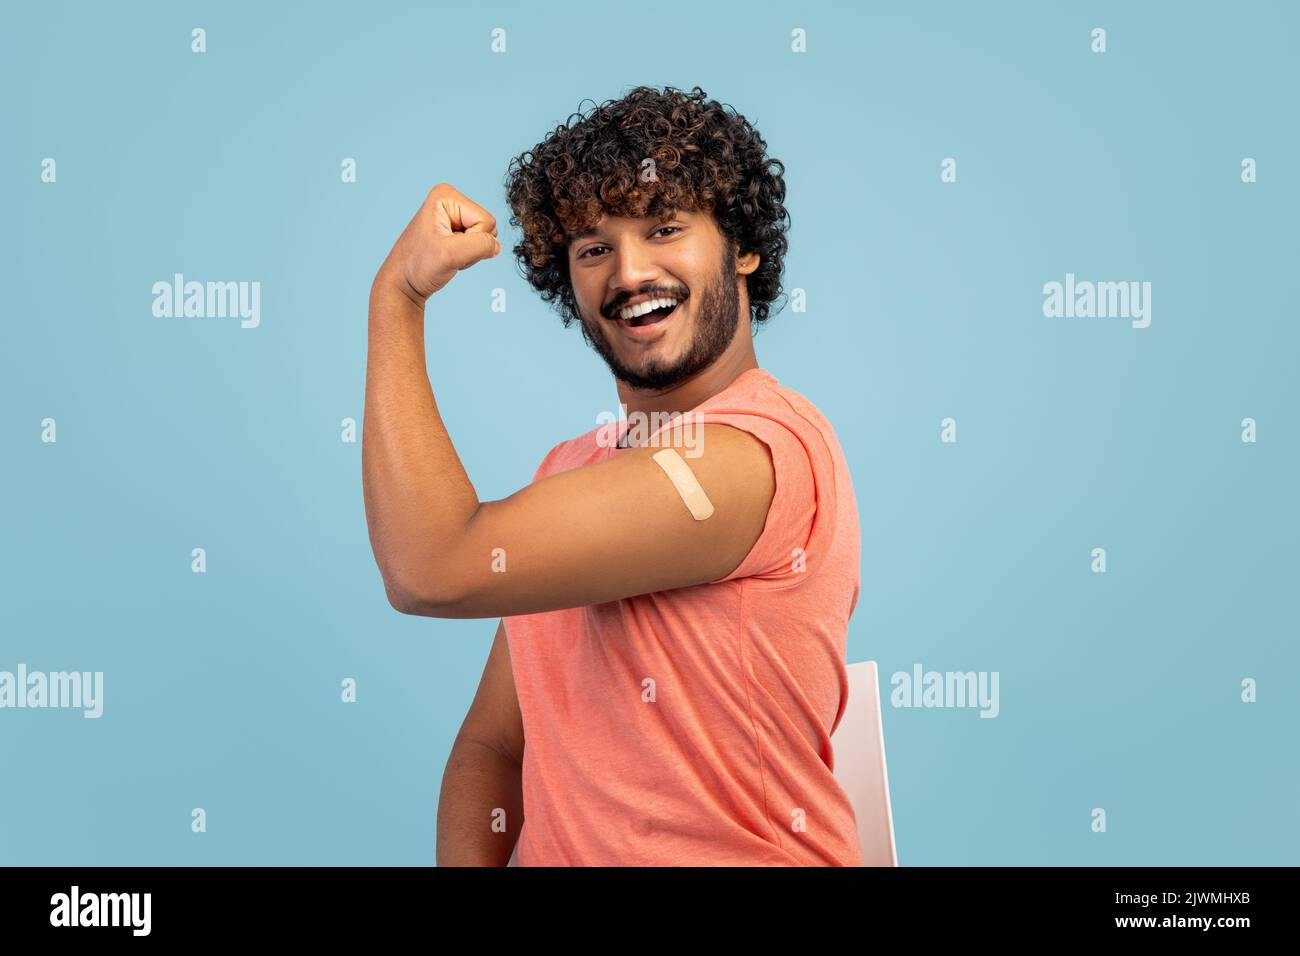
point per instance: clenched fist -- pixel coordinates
(448, 233)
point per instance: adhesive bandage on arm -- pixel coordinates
(684, 481)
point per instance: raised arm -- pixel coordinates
(589, 535)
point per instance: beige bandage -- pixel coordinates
(684, 480)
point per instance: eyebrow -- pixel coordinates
(592, 230)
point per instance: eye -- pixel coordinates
(587, 252)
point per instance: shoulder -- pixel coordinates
(722, 455)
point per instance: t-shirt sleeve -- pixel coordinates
(777, 554)
(543, 468)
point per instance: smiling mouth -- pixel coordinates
(653, 317)
(650, 318)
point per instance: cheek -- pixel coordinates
(584, 293)
(590, 307)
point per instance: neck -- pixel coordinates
(684, 395)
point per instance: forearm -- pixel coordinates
(479, 783)
(418, 498)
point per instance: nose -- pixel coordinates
(634, 269)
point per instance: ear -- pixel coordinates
(747, 263)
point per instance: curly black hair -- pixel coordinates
(707, 157)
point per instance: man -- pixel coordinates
(669, 666)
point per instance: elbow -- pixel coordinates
(432, 583)
(420, 599)
(399, 599)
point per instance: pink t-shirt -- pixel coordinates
(692, 727)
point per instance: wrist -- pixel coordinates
(392, 290)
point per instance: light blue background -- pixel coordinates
(925, 302)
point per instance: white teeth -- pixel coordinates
(632, 311)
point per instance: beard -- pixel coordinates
(717, 314)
